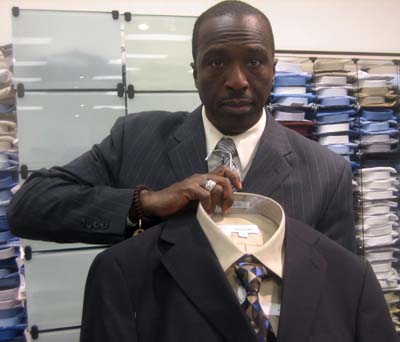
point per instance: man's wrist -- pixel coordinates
(136, 218)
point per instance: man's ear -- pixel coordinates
(194, 68)
(275, 62)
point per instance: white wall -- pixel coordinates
(335, 25)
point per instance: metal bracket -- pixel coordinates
(128, 16)
(34, 331)
(120, 90)
(15, 11)
(28, 252)
(20, 90)
(115, 14)
(131, 91)
(24, 171)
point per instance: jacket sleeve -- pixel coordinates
(373, 320)
(108, 312)
(337, 222)
(78, 202)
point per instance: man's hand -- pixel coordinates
(171, 200)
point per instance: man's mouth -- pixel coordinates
(236, 103)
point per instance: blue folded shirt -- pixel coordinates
(336, 101)
(377, 114)
(290, 80)
(383, 132)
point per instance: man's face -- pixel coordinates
(234, 70)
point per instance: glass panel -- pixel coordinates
(55, 286)
(49, 54)
(59, 336)
(40, 246)
(158, 52)
(167, 101)
(54, 128)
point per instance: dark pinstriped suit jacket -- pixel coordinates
(88, 199)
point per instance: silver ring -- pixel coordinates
(210, 185)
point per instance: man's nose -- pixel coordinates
(236, 78)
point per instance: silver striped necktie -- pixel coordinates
(225, 153)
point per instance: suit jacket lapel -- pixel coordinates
(187, 147)
(303, 281)
(191, 261)
(270, 165)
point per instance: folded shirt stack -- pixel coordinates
(377, 130)
(7, 92)
(376, 91)
(13, 317)
(292, 99)
(393, 302)
(377, 221)
(335, 108)
(377, 127)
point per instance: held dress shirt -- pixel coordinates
(246, 143)
(260, 232)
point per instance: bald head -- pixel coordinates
(231, 8)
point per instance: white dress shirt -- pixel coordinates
(246, 143)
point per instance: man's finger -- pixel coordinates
(230, 174)
(227, 195)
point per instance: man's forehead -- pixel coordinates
(228, 29)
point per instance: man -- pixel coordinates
(152, 165)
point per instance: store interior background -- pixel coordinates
(337, 25)
(347, 26)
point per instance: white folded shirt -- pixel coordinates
(331, 128)
(334, 139)
(330, 80)
(284, 66)
(382, 194)
(290, 90)
(378, 172)
(9, 294)
(381, 254)
(375, 148)
(5, 76)
(378, 184)
(372, 83)
(384, 240)
(289, 116)
(378, 207)
(382, 267)
(332, 91)
(367, 232)
(380, 220)
(293, 101)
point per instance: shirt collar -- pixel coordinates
(245, 142)
(270, 254)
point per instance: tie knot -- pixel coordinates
(225, 153)
(228, 146)
(250, 274)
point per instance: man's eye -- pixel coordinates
(216, 63)
(254, 62)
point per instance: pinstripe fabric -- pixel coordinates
(158, 149)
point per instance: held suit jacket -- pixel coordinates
(166, 285)
(88, 199)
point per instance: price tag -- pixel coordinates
(242, 230)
